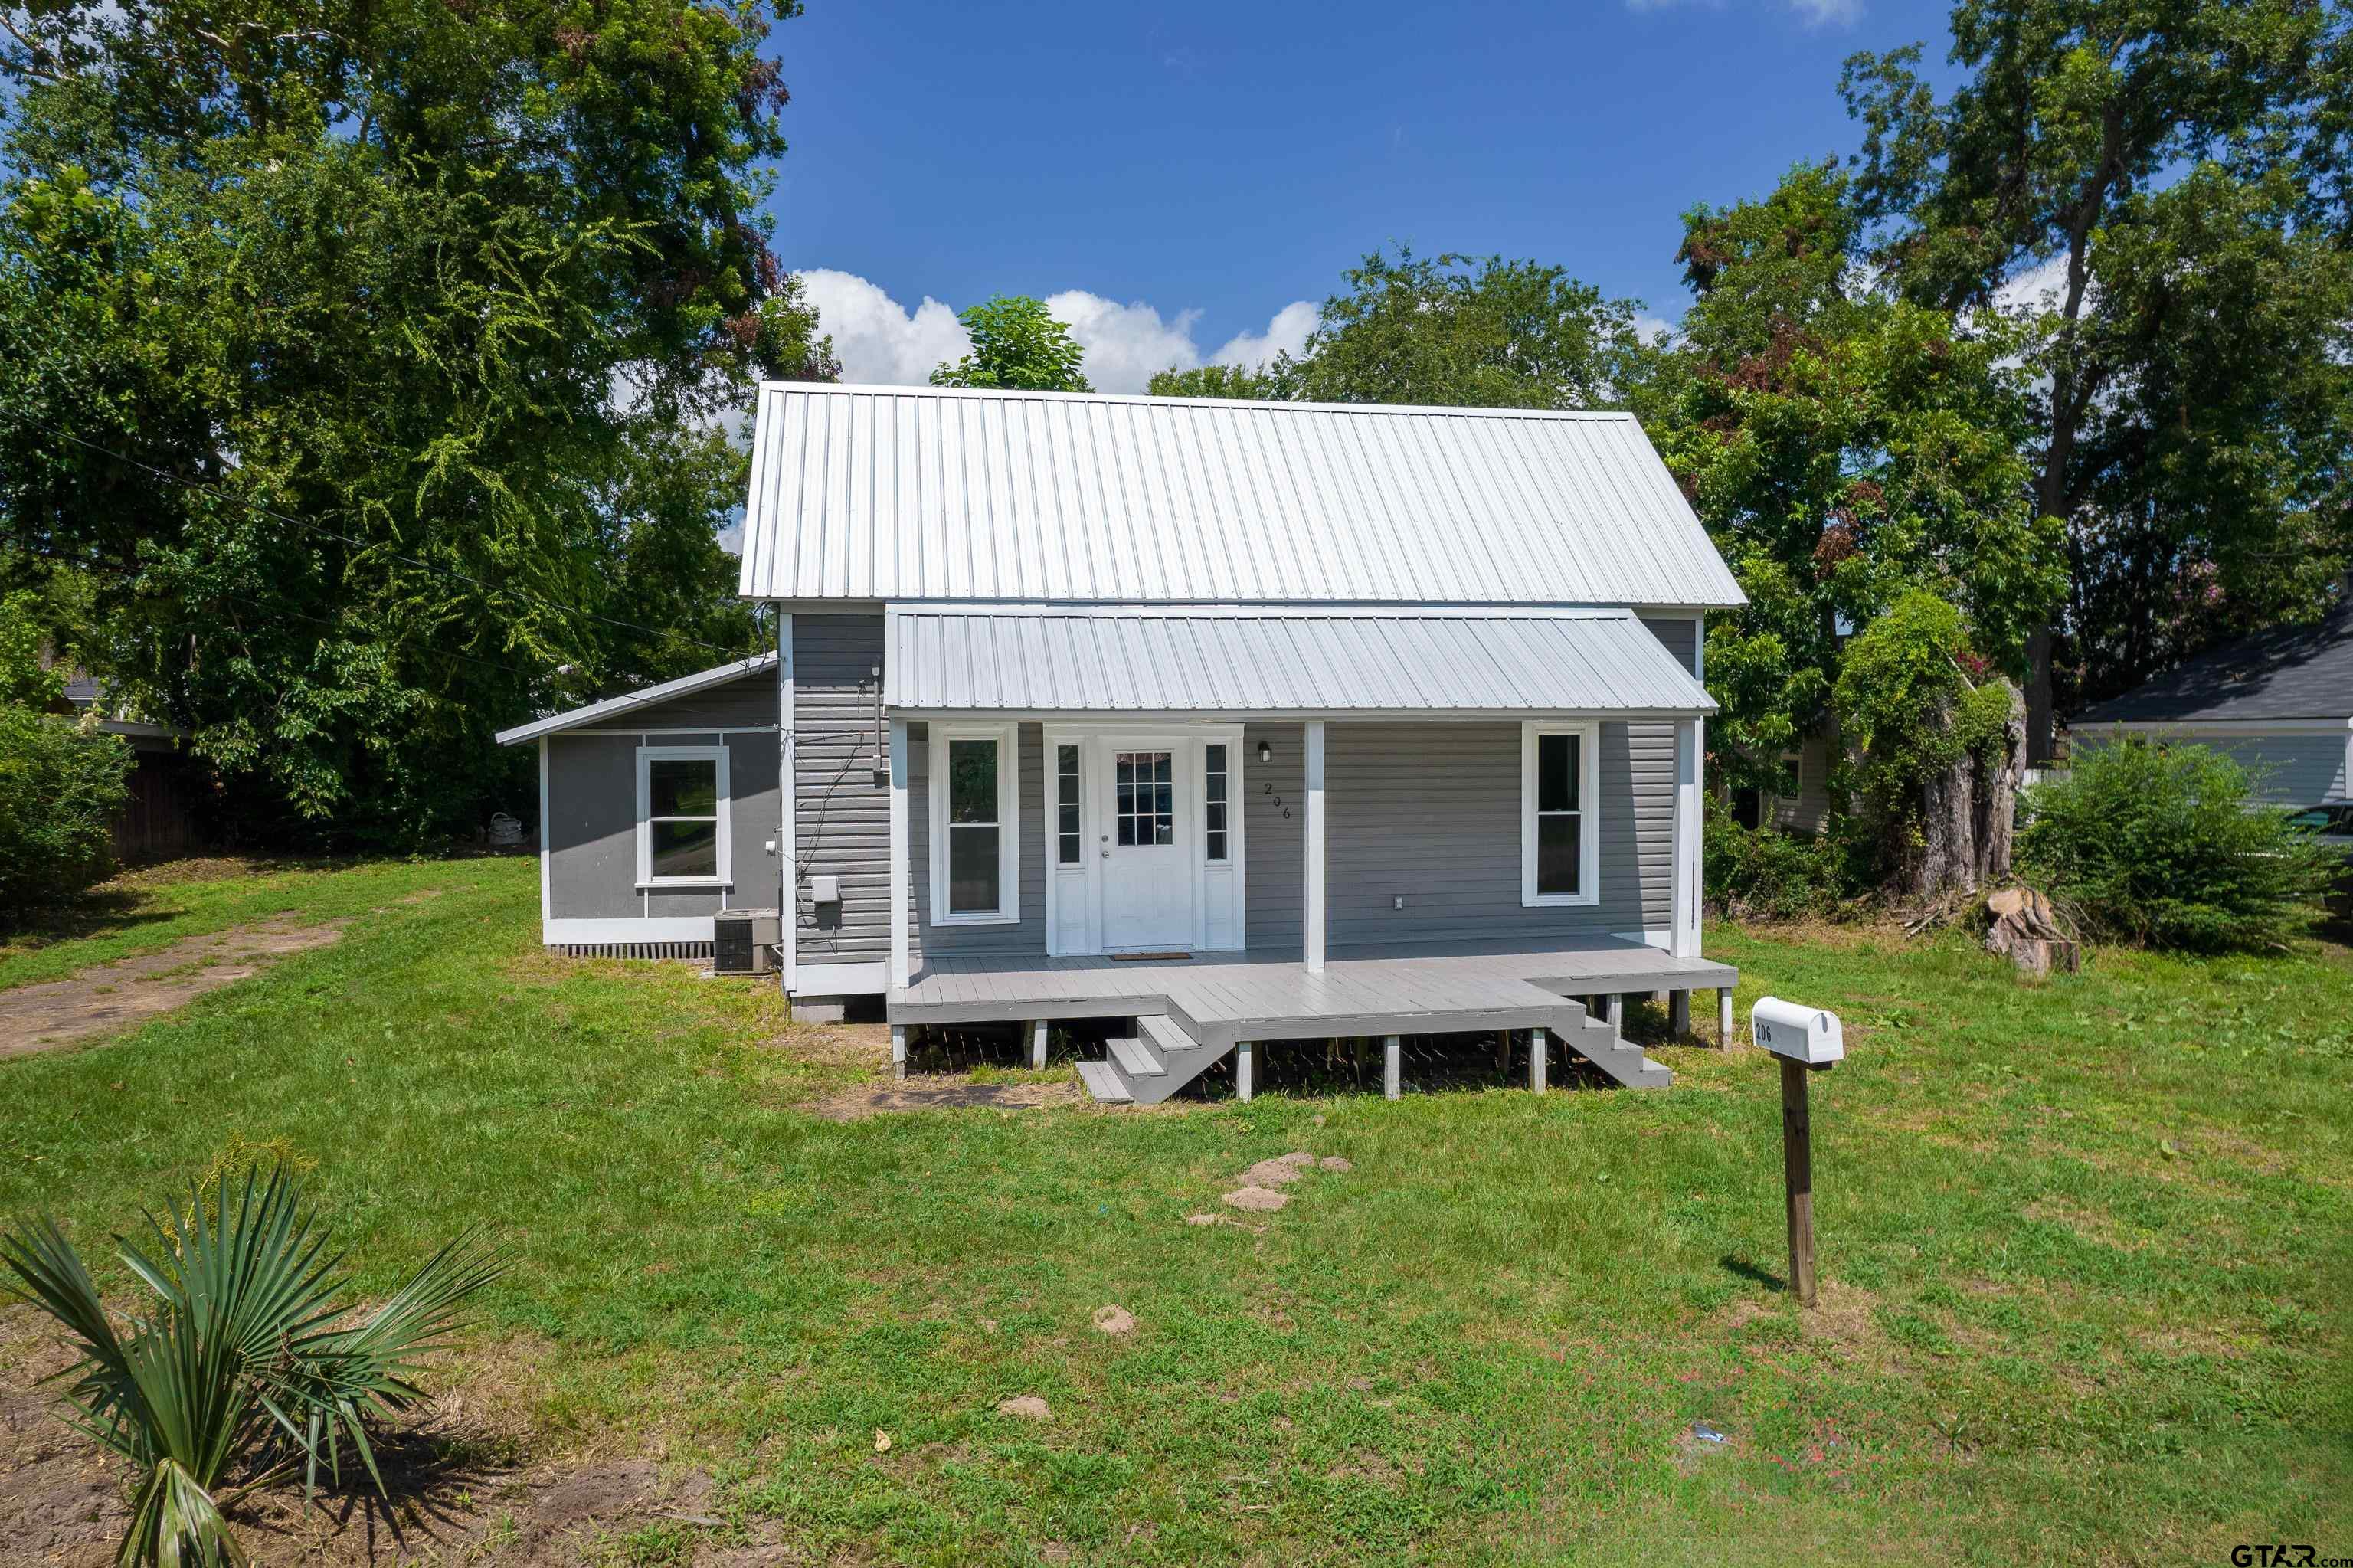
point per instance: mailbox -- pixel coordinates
(1800, 1034)
(825, 890)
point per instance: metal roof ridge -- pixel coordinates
(894, 389)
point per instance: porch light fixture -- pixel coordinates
(1265, 751)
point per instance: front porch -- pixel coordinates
(1191, 1011)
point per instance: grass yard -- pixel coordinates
(2087, 1252)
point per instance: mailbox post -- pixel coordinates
(1807, 1040)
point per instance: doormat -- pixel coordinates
(1147, 957)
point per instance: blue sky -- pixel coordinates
(1174, 178)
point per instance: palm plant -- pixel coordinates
(247, 1361)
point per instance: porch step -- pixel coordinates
(1599, 1042)
(1103, 1083)
(1152, 1064)
(1135, 1060)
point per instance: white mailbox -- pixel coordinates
(825, 890)
(1801, 1034)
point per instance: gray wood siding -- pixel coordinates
(1274, 834)
(1431, 812)
(1028, 936)
(2288, 770)
(1809, 810)
(592, 827)
(1679, 636)
(842, 825)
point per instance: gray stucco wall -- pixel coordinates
(842, 825)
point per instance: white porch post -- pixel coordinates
(1311, 925)
(1392, 1066)
(1688, 754)
(788, 890)
(1037, 1041)
(900, 967)
(1242, 1070)
(1539, 1052)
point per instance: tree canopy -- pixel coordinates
(373, 364)
(2166, 184)
(1016, 344)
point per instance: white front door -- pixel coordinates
(1146, 843)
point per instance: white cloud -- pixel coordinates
(2041, 287)
(1286, 333)
(1126, 343)
(1653, 329)
(878, 340)
(873, 337)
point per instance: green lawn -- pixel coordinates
(2085, 1249)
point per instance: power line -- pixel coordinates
(321, 528)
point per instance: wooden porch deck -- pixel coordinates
(1224, 998)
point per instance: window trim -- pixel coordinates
(1588, 795)
(1231, 803)
(647, 757)
(1008, 824)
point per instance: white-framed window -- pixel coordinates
(1560, 841)
(682, 817)
(1070, 848)
(1215, 803)
(976, 837)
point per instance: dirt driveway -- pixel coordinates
(105, 997)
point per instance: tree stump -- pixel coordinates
(2026, 928)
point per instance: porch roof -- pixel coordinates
(1366, 662)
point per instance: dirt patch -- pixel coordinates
(1279, 1171)
(461, 1488)
(1255, 1200)
(1115, 1322)
(854, 1105)
(1841, 1318)
(105, 997)
(1027, 1407)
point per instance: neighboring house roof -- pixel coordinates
(85, 692)
(1280, 662)
(628, 701)
(2288, 672)
(904, 494)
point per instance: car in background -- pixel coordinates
(2333, 822)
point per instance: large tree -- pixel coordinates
(1848, 451)
(1450, 329)
(1016, 344)
(376, 362)
(2158, 188)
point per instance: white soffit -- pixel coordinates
(927, 493)
(1031, 660)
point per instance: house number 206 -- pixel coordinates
(1268, 790)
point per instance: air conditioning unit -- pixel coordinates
(743, 941)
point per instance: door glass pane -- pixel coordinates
(1213, 822)
(1556, 772)
(681, 787)
(972, 782)
(972, 868)
(1557, 853)
(685, 849)
(1145, 797)
(1066, 807)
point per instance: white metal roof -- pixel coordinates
(941, 494)
(614, 707)
(1110, 660)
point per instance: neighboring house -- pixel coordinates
(2281, 703)
(1249, 721)
(165, 782)
(1798, 800)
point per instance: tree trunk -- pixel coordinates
(1948, 830)
(2040, 718)
(1997, 795)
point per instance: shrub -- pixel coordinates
(2164, 844)
(58, 785)
(1770, 874)
(246, 1360)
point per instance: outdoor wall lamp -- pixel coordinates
(1265, 751)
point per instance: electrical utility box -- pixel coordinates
(1798, 1032)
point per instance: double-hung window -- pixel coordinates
(975, 858)
(1560, 846)
(682, 816)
